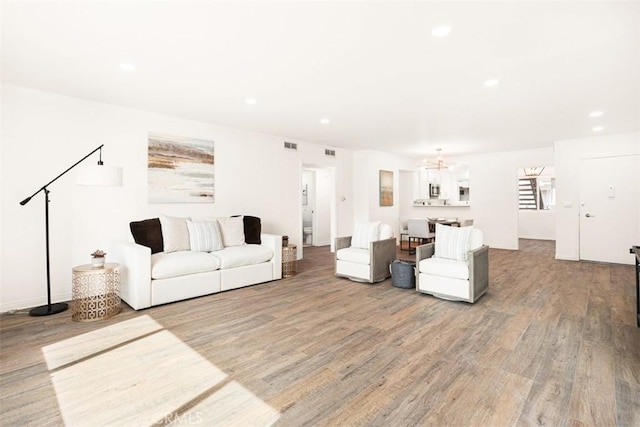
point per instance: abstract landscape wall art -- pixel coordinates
(386, 188)
(180, 169)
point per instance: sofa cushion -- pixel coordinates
(175, 233)
(452, 242)
(232, 229)
(204, 236)
(165, 265)
(148, 233)
(365, 233)
(445, 267)
(355, 255)
(237, 256)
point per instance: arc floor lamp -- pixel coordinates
(97, 175)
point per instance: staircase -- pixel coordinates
(527, 193)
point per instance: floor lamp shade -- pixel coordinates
(99, 175)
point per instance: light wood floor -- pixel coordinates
(551, 343)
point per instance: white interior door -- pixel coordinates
(323, 207)
(609, 203)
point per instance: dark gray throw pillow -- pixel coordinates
(148, 233)
(252, 229)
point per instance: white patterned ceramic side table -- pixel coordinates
(95, 292)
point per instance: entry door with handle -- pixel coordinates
(609, 211)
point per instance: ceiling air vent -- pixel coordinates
(331, 153)
(290, 145)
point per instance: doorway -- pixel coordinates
(318, 206)
(537, 203)
(609, 208)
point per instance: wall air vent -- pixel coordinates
(290, 145)
(331, 153)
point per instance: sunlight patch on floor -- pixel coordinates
(137, 373)
(85, 345)
(232, 405)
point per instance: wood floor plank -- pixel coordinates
(526, 359)
(628, 403)
(552, 342)
(552, 387)
(423, 391)
(593, 392)
(506, 400)
(457, 406)
(627, 353)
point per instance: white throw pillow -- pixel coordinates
(365, 233)
(452, 242)
(204, 236)
(385, 232)
(232, 229)
(175, 234)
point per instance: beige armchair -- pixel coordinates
(365, 258)
(450, 277)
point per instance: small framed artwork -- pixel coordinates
(386, 188)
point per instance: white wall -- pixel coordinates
(405, 197)
(539, 225)
(493, 183)
(2, 189)
(568, 155)
(366, 187)
(43, 134)
(493, 188)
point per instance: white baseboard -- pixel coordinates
(566, 258)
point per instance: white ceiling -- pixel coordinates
(372, 68)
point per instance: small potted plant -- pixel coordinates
(97, 258)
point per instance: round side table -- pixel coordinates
(95, 292)
(289, 260)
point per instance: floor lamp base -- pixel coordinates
(46, 310)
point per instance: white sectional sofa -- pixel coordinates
(149, 279)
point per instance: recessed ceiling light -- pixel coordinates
(125, 66)
(324, 121)
(597, 128)
(250, 101)
(491, 83)
(441, 31)
(596, 114)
